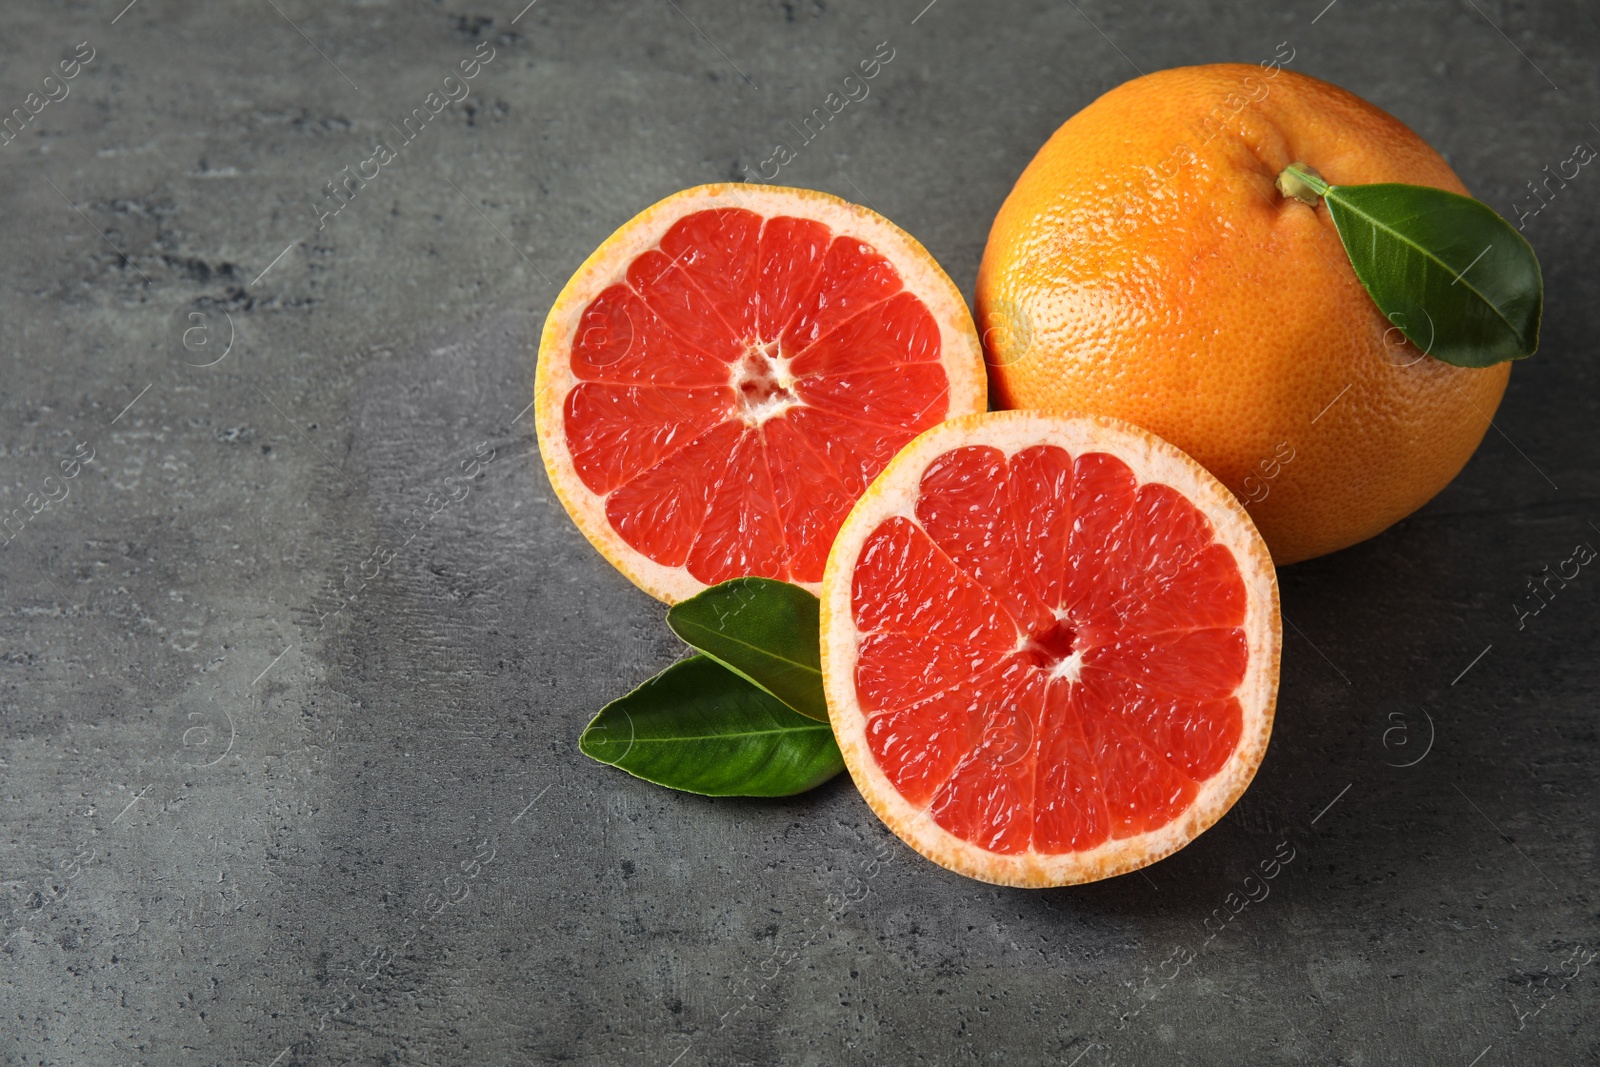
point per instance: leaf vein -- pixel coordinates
(724, 635)
(1410, 243)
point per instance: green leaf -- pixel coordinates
(764, 631)
(700, 728)
(1455, 277)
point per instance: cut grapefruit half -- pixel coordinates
(728, 372)
(1049, 647)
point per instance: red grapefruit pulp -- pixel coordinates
(1050, 647)
(721, 380)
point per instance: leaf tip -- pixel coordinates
(603, 744)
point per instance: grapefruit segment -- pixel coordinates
(899, 330)
(621, 341)
(853, 278)
(1099, 566)
(1143, 792)
(632, 428)
(1196, 736)
(966, 508)
(900, 669)
(808, 491)
(989, 797)
(717, 252)
(1070, 809)
(1198, 663)
(855, 450)
(903, 397)
(742, 533)
(659, 513)
(790, 256)
(728, 372)
(1040, 509)
(671, 294)
(906, 584)
(1049, 646)
(919, 745)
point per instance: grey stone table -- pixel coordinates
(272, 796)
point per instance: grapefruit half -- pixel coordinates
(1049, 646)
(722, 379)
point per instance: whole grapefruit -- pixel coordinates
(1145, 267)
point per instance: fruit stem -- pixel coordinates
(1301, 181)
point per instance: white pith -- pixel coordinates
(779, 374)
(1068, 668)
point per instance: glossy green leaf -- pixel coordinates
(700, 728)
(762, 630)
(1455, 277)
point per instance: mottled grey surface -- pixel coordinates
(269, 798)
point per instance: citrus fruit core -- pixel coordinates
(1054, 641)
(728, 397)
